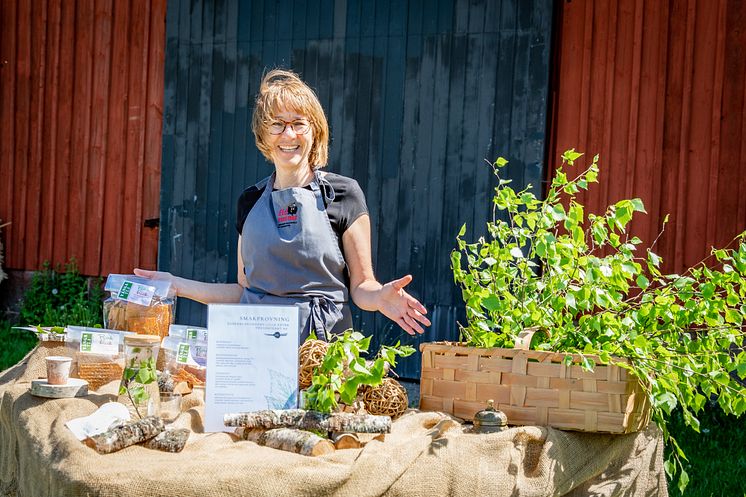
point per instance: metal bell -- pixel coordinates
(490, 420)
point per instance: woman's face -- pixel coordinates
(290, 150)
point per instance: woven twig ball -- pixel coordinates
(387, 399)
(310, 356)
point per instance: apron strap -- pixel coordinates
(322, 185)
(324, 314)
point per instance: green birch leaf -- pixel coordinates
(683, 480)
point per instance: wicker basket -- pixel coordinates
(532, 388)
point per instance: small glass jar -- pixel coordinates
(138, 389)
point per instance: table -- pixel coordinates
(425, 454)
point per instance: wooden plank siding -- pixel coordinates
(658, 89)
(80, 132)
(418, 94)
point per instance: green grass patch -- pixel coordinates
(717, 455)
(14, 344)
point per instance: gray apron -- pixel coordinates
(291, 256)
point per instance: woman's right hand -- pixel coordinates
(159, 275)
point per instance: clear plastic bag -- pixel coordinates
(98, 354)
(139, 305)
(184, 360)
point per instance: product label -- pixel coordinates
(182, 355)
(196, 334)
(137, 293)
(99, 343)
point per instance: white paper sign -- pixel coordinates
(252, 360)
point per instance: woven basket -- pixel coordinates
(532, 388)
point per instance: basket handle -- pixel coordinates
(523, 340)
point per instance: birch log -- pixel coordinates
(346, 441)
(310, 420)
(125, 435)
(169, 440)
(288, 439)
(355, 440)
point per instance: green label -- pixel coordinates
(182, 356)
(86, 342)
(191, 334)
(125, 291)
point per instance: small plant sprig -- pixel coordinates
(581, 280)
(343, 371)
(138, 373)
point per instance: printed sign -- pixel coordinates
(252, 360)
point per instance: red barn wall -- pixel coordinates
(658, 89)
(80, 132)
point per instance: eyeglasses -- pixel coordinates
(299, 127)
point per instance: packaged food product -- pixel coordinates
(184, 360)
(139, 305)
(188, 332)
(98, 354)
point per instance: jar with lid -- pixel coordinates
(138, 389)
(490, 420)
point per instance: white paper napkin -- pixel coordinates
(100, 421)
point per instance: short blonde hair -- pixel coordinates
(283, 89)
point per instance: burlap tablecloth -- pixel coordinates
(40, 457)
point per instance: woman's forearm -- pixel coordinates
(208, 293)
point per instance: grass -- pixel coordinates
(717, 455)
(14, 344)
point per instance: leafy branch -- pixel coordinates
(579, 278)
(344, 370)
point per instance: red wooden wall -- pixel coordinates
(658, 89)
(80, 131)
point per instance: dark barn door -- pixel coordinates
(419, 95)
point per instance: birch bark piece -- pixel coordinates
(169, 440)
(310, 420)
(126, 434)
(288, 439)
(74, 387)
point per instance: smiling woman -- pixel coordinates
(304, 235)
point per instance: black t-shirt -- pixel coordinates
(347, 206)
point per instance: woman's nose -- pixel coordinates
(289, 130)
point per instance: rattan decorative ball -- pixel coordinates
(387, 399)
(310, 356)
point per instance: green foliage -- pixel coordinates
(137, 374)
(543, 266)
(60, 298)
(343, 371)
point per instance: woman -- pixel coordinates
(304, 235)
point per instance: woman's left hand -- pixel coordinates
(406, 311)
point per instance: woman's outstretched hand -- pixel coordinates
(399, 306)
(158, 275)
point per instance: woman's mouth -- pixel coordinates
(288, 148)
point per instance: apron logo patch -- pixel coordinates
(288, 215)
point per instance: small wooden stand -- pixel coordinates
(75, 387)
